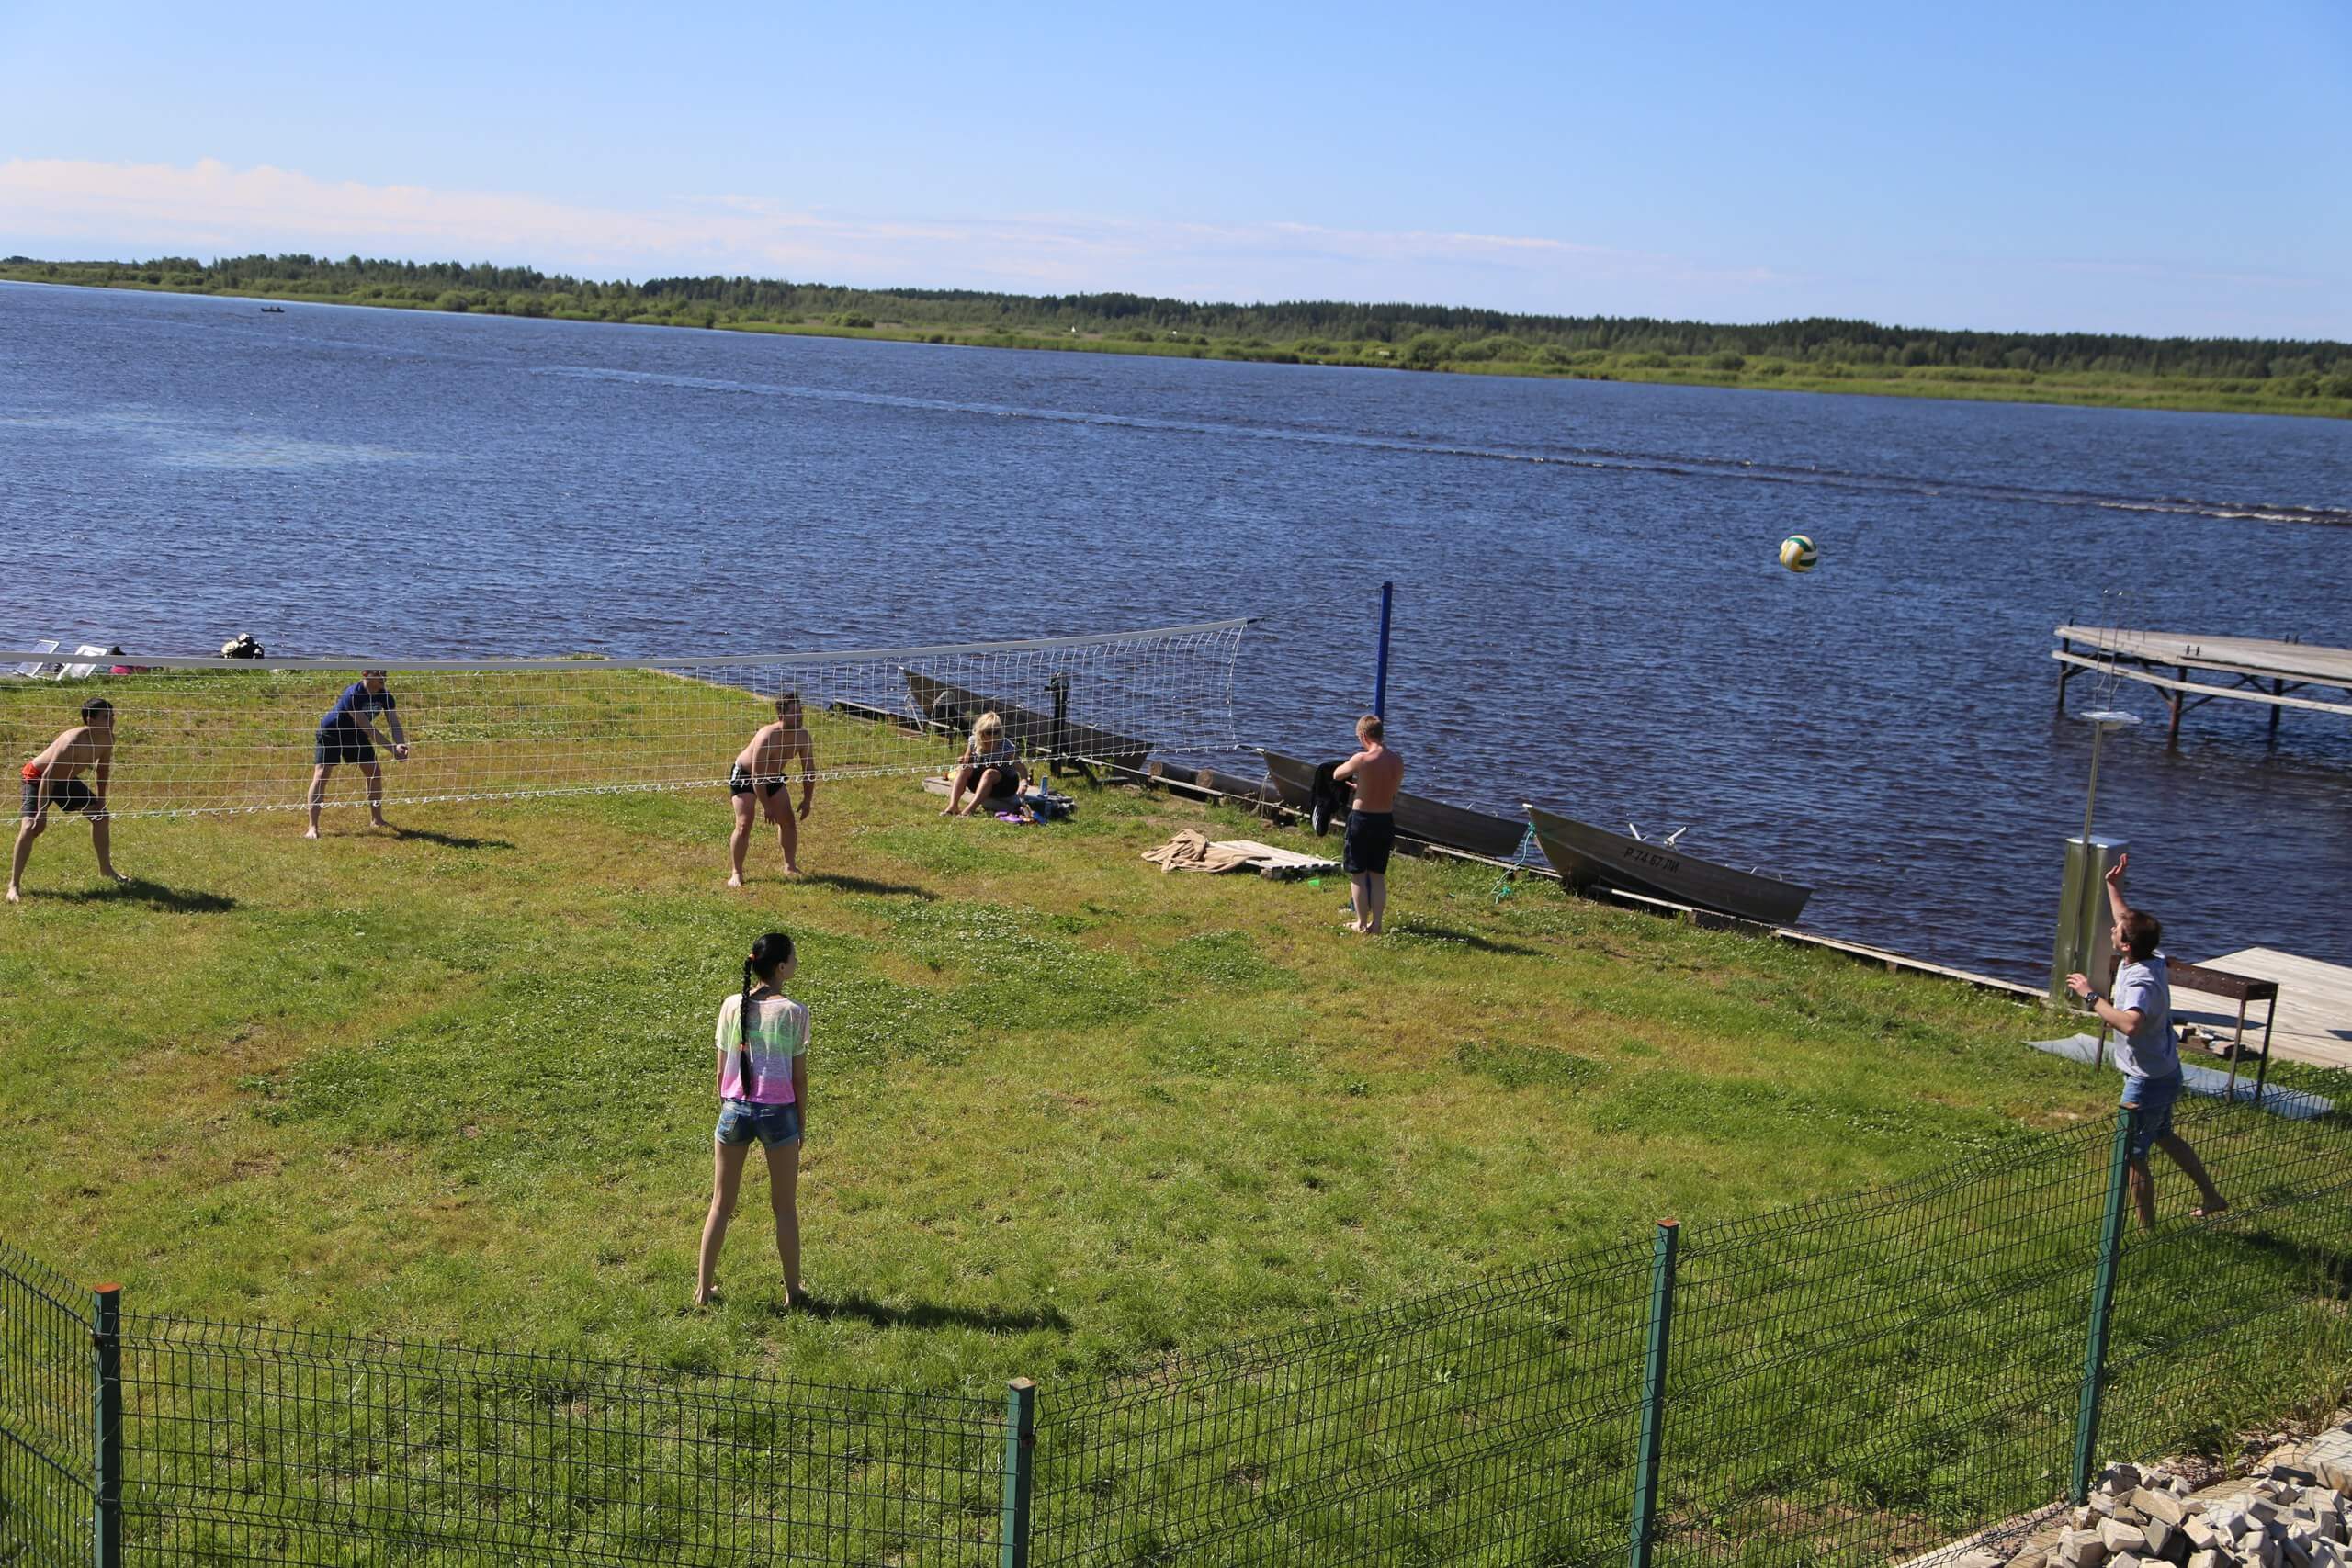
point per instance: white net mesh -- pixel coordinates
(206, 735)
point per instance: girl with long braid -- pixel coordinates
(762, 1044)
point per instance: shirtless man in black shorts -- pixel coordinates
(50, 781)
(759, 780)
(1376, 773)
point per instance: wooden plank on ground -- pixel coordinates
(1283, 866)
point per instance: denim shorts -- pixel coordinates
(2154, 1097)
(740, 1122)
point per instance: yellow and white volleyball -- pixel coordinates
(1797, 553)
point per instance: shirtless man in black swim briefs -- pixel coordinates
(50, 781)
(759, 780)
(1376, 773)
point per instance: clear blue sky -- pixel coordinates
(2151, 167)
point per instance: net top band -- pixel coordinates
(10, 657)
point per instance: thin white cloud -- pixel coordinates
(52, 206)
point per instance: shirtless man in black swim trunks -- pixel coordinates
(759, 780)
(1376, 773)
(50, 781)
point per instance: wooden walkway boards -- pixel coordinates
(2241, 669)
(2314, 1005)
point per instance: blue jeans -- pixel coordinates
(740, 1122)
(2154, 1097)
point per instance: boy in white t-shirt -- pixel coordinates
(2140, 1014)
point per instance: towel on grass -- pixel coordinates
(1189, 850)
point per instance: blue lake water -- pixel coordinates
(1588, 612)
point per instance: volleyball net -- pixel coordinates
(222, 735)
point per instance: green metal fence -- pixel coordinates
(49, 1414)
(1851, 1381)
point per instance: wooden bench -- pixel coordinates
(2242, 990)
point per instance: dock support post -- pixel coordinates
(1380, 676)
(2066, 673)
(1645, 1530)
(2278, 689)
(2176, 701)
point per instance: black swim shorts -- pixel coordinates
(339, 743)
(66, 794)
(740, 782)
(1008, 776)
(1370, 836)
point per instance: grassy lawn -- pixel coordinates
(1066, 1111)
(1077, 1120)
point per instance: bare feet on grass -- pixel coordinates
(735, 880)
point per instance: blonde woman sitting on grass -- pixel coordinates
(988, 769)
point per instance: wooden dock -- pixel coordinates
(2314, 1018)
(2189, 671)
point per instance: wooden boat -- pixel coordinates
(1585, 854)
(1034, 733)
(1418, 817)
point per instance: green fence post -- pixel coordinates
(2111, 1255)
(106, 1341)
(1654, 1390)
(1020, 1461)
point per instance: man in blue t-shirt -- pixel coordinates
(347, 734)
(2140, 1014)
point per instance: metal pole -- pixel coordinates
(2090, 861)
(1653, 1392)
(2110, 1254)
(1020, 1458)
(1380, 677)
(106, 1342)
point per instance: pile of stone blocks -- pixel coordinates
(2285, 1514)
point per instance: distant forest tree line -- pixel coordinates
(1809, 351)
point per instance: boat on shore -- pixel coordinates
(1034, 733)
(1585, 856)
(1418, 817)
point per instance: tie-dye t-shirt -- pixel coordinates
(779, 1032)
